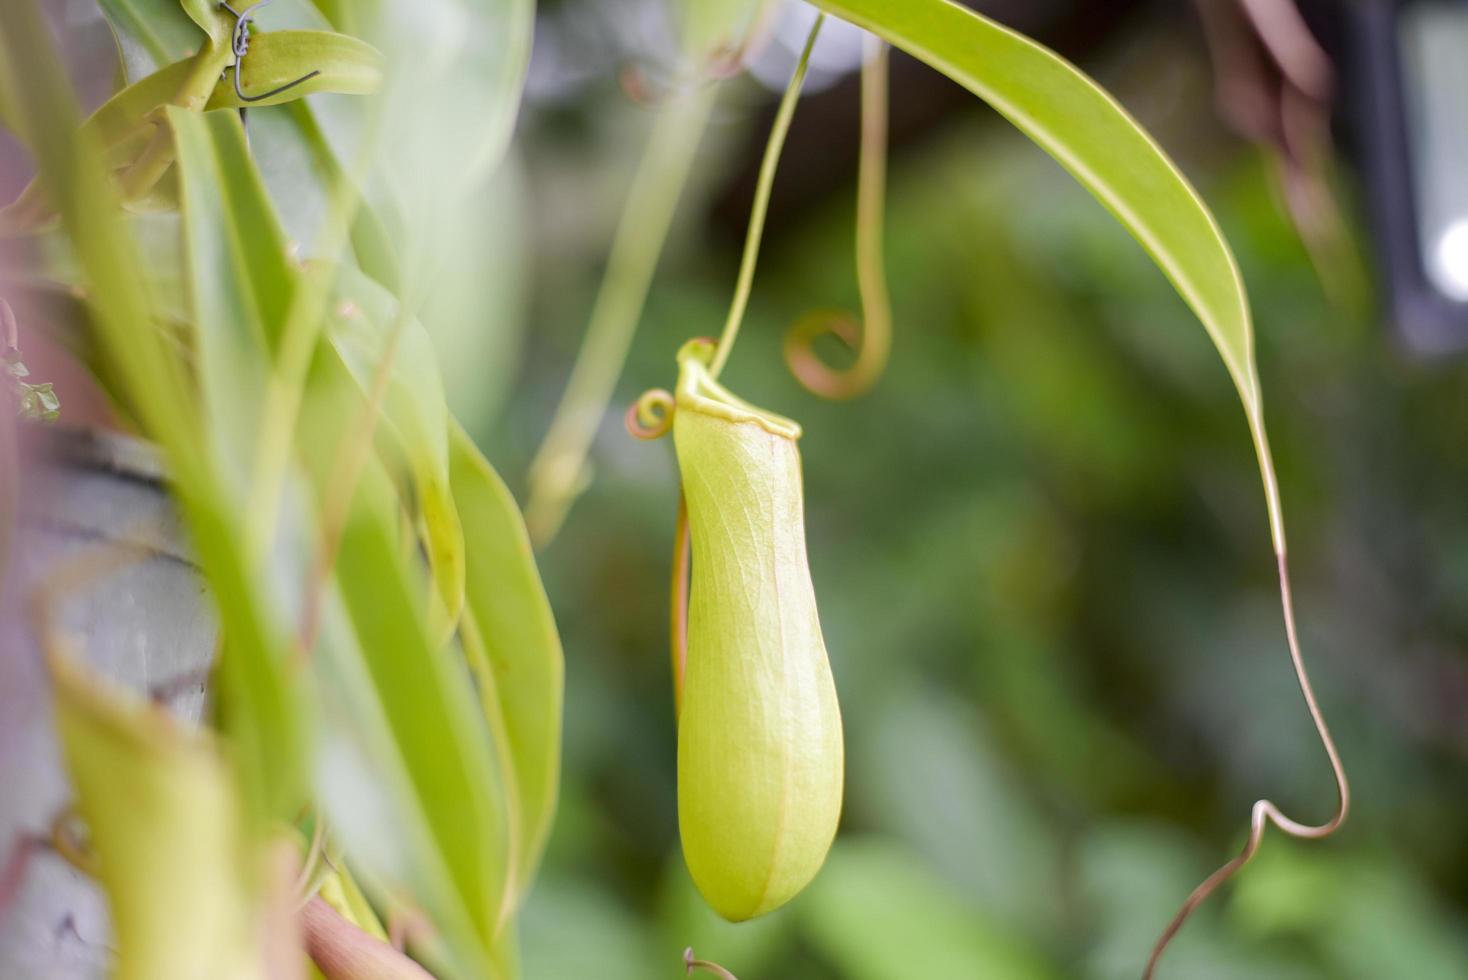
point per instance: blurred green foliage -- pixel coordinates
(1043, 566)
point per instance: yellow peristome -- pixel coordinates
(760, 757)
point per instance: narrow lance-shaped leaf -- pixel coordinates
(368, 326)
(760, 756)
(409, 775)
(441, 839)
(1091, 135)
(511, 641)
(150, 377)
(240, 283)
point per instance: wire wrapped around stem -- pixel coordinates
(871, 336)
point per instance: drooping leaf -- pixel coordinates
(512, 644)
(240, 283)
(367, 326)
(1091, 135)
(411, 778)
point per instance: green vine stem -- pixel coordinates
(651, 416)
(761, 206)
(1266, 812)
(557, 474)
(872, 338)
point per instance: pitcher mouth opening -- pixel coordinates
(699, 392)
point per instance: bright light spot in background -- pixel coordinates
(1451, 261)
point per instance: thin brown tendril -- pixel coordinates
(1264, 811)
(651, 416)
(871, 337)
(690, 964)
(682, 568)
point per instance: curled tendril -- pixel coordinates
(651, 416)
(690, 964)
(871, 337)
(1266, 812)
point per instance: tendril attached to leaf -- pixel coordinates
(1266, 812)
(871, 336)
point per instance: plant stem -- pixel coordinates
(556, 474)
(761, 206)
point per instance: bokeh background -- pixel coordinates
(1039, 545)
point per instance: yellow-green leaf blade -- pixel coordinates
(515, 630)
(1091, 135)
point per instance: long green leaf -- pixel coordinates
(240, 277)
(368, 326)
(511, 641)
(409, 774)
(240, 282)
(1091, 135)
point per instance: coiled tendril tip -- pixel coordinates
(651, 416)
